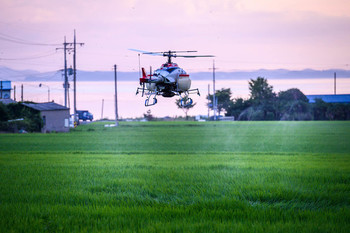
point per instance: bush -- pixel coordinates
(4, 116)
(31, 122)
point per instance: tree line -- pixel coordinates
(16, 116)
(264, 104)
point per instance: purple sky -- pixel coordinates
(242, 34)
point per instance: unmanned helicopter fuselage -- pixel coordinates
(169, 80)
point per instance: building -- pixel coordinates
(5, 89)
(330, 98)
(55, 117)
(7, 101)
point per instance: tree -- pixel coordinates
(292, 104)
(31, 122)
(330, 111)
(237, 106)
(263, 99)
(319, 109)
(185, 108)
(292, 95)
(223, 98)
(338, 111)
(149, 115)
(4, 115)
(260, 91)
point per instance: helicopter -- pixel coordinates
(168, 81)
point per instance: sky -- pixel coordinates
(242, 34)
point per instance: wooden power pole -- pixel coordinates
(115, 95)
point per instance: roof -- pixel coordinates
(6, 85)
(7, 101)
(50, 106)
(330, 98)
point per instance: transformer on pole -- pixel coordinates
(70, 46)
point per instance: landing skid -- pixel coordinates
(149, 95)
(185, 100)
(140, 89)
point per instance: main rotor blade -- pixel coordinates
(137, 50)
(189, 56)
(171, 53)
(182, 51)
(165, 52)
(146, 52)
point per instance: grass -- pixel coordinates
(178, 177)
(200, 137)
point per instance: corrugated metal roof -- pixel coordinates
(6, 85)
(7, 101)
(330, 98)
(50, 106)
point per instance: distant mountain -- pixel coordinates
(16, 75)
(273, 74)
(30, 75)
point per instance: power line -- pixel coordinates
(12, 39)
(52, 66)
(27, 58)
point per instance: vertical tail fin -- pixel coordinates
(144, 76)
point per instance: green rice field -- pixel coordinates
(178, 177)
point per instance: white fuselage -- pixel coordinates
(168, 73)
(169, 78)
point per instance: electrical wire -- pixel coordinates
(12, 39)
(28, 58)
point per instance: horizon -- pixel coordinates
(347, 68)
(7, 73)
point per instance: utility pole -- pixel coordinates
(69, 46)
(65, 84)
(1, 89)
(115, 95)
(14, 92)
(75, 75)
(65, 72)
(214, 98)
(335, 83)
(75, 78)
(208, 101)
(22, 93)
(102, 109)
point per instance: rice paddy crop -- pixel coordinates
(178, 177)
